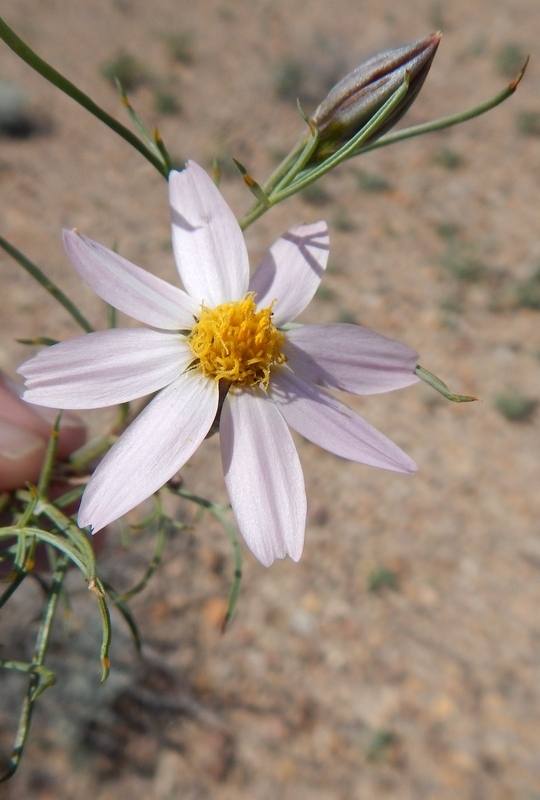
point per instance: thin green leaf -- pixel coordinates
(70, 497)
(42, 279)
(74, 534)
(46, 676)
(350, 148)
(111, 316)
(4, 501)
(56, 541)
(160, 144)
(452, 119)
(137, 121)
(44, 634)
(12, 588)
(89, 452)
(124, 609)
(40, 678)
(38, 340)
(237, 574)
(31, 498)
(252, 184)
(218, 513)
(57, 79)
(441, 387)
(97, 587)
(50, 457)
(294, 180)
(154, 564)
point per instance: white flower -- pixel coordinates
(220, 345)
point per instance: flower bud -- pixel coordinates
(353, 101)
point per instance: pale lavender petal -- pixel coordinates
(350, 358)
(104, 368)
(154, 447)
(263, 477)
(327, 422)
(128, 288)
(208, 244)
(291, 272)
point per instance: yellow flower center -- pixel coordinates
(236, 343)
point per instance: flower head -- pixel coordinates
(221, 340)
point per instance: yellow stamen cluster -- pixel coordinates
(236, 343)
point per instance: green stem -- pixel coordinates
(44, 634)
(37, 684)
(237, 574)
(278, 179)
(349, 149)
(286, 172)
(53, 76)
(446, 122)
(48, 462)
(124, 609)
(73, 534)
(47, 284)
(253, 215)
(92, 450)
(284, 167)
(217, 512)
(294, 180)
(156, 558)
(99, 591)
(12, 588)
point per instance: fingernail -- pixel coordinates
(17, 444)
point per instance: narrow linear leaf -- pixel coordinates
(154, 564)
(160, 144)
(46, 282)
(252, 184)
(16, 581)
(83, 457)
(105, 660)
(237, 574)
(74, 534)
(452, 119)
(50, 457)
(136, 119)
(40, 678)
(218, 513)
(352, 147)
(124, 609)
(38, 340)
(57, 79)
(56, 541)
(441, 387)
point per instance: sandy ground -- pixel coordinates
(320, 689)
